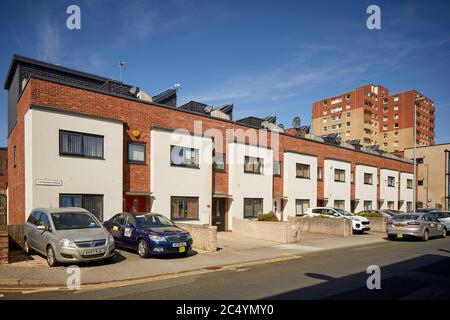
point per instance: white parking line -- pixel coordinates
(2, 295)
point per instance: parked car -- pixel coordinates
(385, 213)
(393, 211)
(422, 225)
(149, 234)
(67, 235)
(359, 224)
(443, 217)
(426, 210)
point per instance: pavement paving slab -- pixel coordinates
(126, 265)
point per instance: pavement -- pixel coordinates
(234, 251)
(407, 270)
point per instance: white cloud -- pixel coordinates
(48, 40)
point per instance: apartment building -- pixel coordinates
(433, 175)
(374, 116)
(77, 139)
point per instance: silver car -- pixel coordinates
(443, 217)
(422, 225)
(67, 235)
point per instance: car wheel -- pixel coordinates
(51, 257)
(392, 237)
(426, 235)
(444, 233)
(143, 249)
(26, 247)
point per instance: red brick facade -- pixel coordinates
(141, 116)
(3, 169)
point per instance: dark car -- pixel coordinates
(426, 210)
(149, 234)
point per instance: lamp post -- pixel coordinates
(416, 102)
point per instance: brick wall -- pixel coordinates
(204, 236)
(3, 169)
(283, 232)
(140, 116)
(333, 226)
(377, 224)
(4, 251)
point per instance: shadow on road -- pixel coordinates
(424, 277)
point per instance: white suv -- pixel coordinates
(359, 224)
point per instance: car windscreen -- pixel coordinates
(440, 215)
(343, 212)
(73, 220)
(152, 221)
(406, 217)
(392, 214)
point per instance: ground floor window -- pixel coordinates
(367, 205)
(90, 202)
(390, 205)
(409, 207)
(184, 208)
(301, 205)
(252, 207)
(339, 204)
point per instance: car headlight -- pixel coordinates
(157, 238)
(110, 238)
(188, 235)
(67, 243)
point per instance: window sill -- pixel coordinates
(249, 172)
(137, 162)
(306, 178)
(80, 157)
(184, 166)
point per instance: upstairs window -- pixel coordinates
(136, 152)
(219, 161)
(184, 157)
(277, 168)
(409, 183)
(303, 170)
(391, 181)
(80, 144)
(253, 165)
(368, 178)
(339, 175)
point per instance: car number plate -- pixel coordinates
(179, 244)
(399, 235)
(92, 252)
(182, 249)
(399, 225)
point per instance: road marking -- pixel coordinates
(122, 283)
(2, 295)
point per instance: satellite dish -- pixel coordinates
(208, 109)
(133, 90)
(265, 124)
(296, 122)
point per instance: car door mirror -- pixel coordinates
(130, 225)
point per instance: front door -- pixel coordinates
(218, 213)
(136, 204)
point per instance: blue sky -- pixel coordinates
(266, 57)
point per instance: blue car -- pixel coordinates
(149, 234)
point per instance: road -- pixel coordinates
(409, 270)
